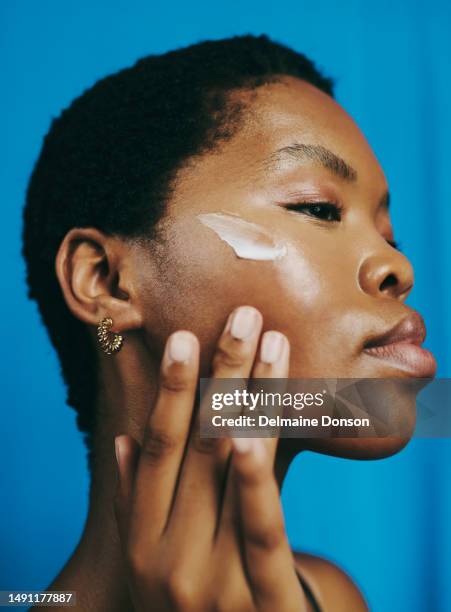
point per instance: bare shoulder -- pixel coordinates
(332, 587)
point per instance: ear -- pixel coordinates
(95, 273)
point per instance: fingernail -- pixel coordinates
(180, 347)
(243, 322)
(271, 347)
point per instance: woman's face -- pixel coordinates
(336, 284)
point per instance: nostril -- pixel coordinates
(388, 283)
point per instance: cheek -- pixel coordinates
(298, 279)
(202, 280)
(247, 239)
(265, 264)
(292, 293)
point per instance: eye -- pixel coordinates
(325, 211)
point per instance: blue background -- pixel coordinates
(386, 522)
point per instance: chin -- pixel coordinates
(390, 408)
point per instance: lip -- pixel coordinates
(401, 347)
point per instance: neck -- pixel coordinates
(96, 570)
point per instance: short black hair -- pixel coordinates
(109, 159)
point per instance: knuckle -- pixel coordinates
(180, 590)
(252, 474)
(206, 446)
(229, 357)
(137, 562)
(268, 539)
(156, 445)
(175, 381)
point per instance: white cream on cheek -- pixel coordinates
(296, 277)
(248, 240)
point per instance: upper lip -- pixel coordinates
(410, 330)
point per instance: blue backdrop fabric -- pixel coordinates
(386, 522)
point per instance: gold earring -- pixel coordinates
(110, 342)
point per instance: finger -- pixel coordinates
(196, 508)
(272, 363)
(127, 453)
(268, 558)
(165, 439)
(235, 351)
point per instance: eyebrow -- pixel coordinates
(317, 153)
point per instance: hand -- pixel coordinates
(200, 520)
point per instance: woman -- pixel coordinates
(210, 211)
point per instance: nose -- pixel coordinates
(386, 273)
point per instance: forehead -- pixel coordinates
(277, 115)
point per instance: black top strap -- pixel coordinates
(308, 593)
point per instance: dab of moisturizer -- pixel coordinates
(248, 240)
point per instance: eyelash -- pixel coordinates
(395, 245)
(332, 214)
(333, 211)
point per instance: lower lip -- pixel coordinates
(408, 357)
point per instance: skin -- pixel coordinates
(340, 284)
